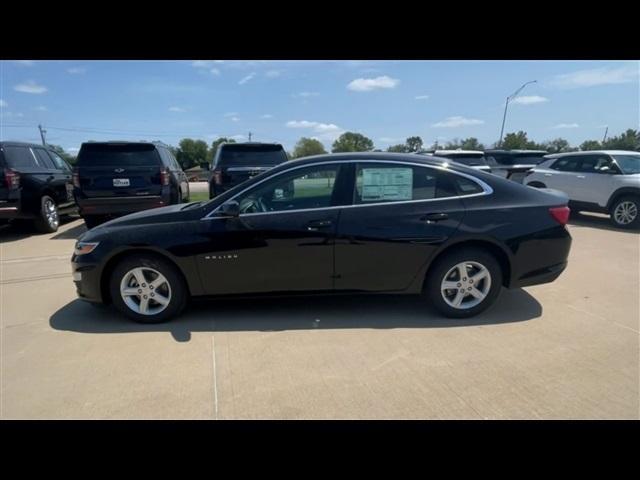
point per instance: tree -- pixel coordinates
(414, 144)
(518, 141)
(191, 152)
(590, 145)
(215, 144)
(307, 147)
(470, 143)
(60, 151)
(557, 145)
(400, 148)
(352, 142)
(629, 140)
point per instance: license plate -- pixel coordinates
(121, 182)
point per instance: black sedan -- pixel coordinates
(340, 223)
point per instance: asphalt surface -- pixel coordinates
(569, 349)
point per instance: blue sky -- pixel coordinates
(281, 101)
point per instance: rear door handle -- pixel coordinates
(434, 217)
(318, 224)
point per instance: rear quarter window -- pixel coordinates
(20, 157)
(466, 186)
(134, 155)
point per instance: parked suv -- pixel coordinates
(514, 164)
(605, 181)
(35, 184)
(112, 179)
(471, 158)
(235, 163)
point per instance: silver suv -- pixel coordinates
(605, 181)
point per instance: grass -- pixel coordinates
(198, 196)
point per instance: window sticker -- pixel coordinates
(387, 184)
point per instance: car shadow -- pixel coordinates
(19, 230)
(296, 313)
(601, 221)
(70, 234)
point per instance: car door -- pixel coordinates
(401, 214)
(63, 178)
(595, 179)
(563, 175)
(283, 238)
(54, 179)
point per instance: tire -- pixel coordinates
(172, 287)
(476, 261)
(48, 219)
(92, 221)
(625, 212)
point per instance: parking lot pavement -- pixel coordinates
(569, 349)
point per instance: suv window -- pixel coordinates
(241, 155)
(174, 162)
(20, 157)
(567, 164)
(310, 187)
(376, 183)
(43, 158)
(629, 164)
(114, 155)
(593, 163)
(469, 159)
(59, 162)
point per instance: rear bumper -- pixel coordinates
(538, 277)
(119, 206)
(9, 210)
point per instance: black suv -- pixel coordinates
(513, 164)
(112, 179)
(35, 184)
(235, 163)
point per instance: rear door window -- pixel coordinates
(567, 164)
(59, 162)
(117, 155)
(244, 155)
(43, 158)
(20, 157)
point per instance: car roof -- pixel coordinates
(597, 152)
(125, 142)
(22, 144)
(514, 151)
(364, 156)
(448, 152)
(251, 144)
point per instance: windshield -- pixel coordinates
(241, 155)
(629, 164)
(111, 155)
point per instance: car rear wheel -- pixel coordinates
(147, 289)
(464, 282)
(625, 212)
(48, 219)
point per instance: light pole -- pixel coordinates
(509, 98)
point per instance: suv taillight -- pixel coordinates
(12, 179)
(164, 177)
(560, 214)
(217, 177)
(76, 179)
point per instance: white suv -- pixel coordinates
(606, 181)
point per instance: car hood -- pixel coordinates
(171, 213)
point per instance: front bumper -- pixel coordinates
(86, 277)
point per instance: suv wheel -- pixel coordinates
(147, 289)
(464, 282)
(625, 212)
(48, 219)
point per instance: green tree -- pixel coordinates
(414, 144)
(518, 141)
(60, 151)
(307, 147)
(191, 152)
(557, 145)
(215, 144)
(471, 143)
(400, 148)
(590, 145)
(629, 140)
(352, 142)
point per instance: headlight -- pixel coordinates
(82, 248)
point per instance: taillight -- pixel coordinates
(12, 179)
(560, 214)
(164, 177)
(217, 177)
(76, 179)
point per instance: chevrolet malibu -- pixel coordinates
(340, 223)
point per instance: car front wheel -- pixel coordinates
(464, 282)
(625, 212)
(147, 289)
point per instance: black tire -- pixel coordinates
(440, 268)
(48, 219)
(178, 289)
(92, 221)
(633, 208)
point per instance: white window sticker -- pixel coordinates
(387, 184)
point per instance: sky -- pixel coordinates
(281, 101)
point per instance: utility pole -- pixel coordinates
(509, 98)
(605, 134)
(249, 136)
(42, 134)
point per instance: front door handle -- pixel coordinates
(581, 176)
(318, 224)
(548, 174)
(434, 217)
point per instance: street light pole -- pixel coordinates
(506, 104)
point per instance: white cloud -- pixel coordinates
(177, 109)
(3, 104)
(305, 94)
(390, 139)
(273, 73)
(215, 71)
(25, 63)
(205, 63)
(30, 87)
(247, 78)
(598, 76)
(567, 125)
(368, 84)
(325, 131)
(231, 114)
(76, 70)
(267, 115)
(41, 108)
(457, 121)
(529, 99)
(72, 149)
(238, 137)
(422, 97)
(235, 119)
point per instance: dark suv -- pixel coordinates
(514, 164)
(35, 184)
(235, 163)
(112, 179)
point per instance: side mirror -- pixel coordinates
(229, 209)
